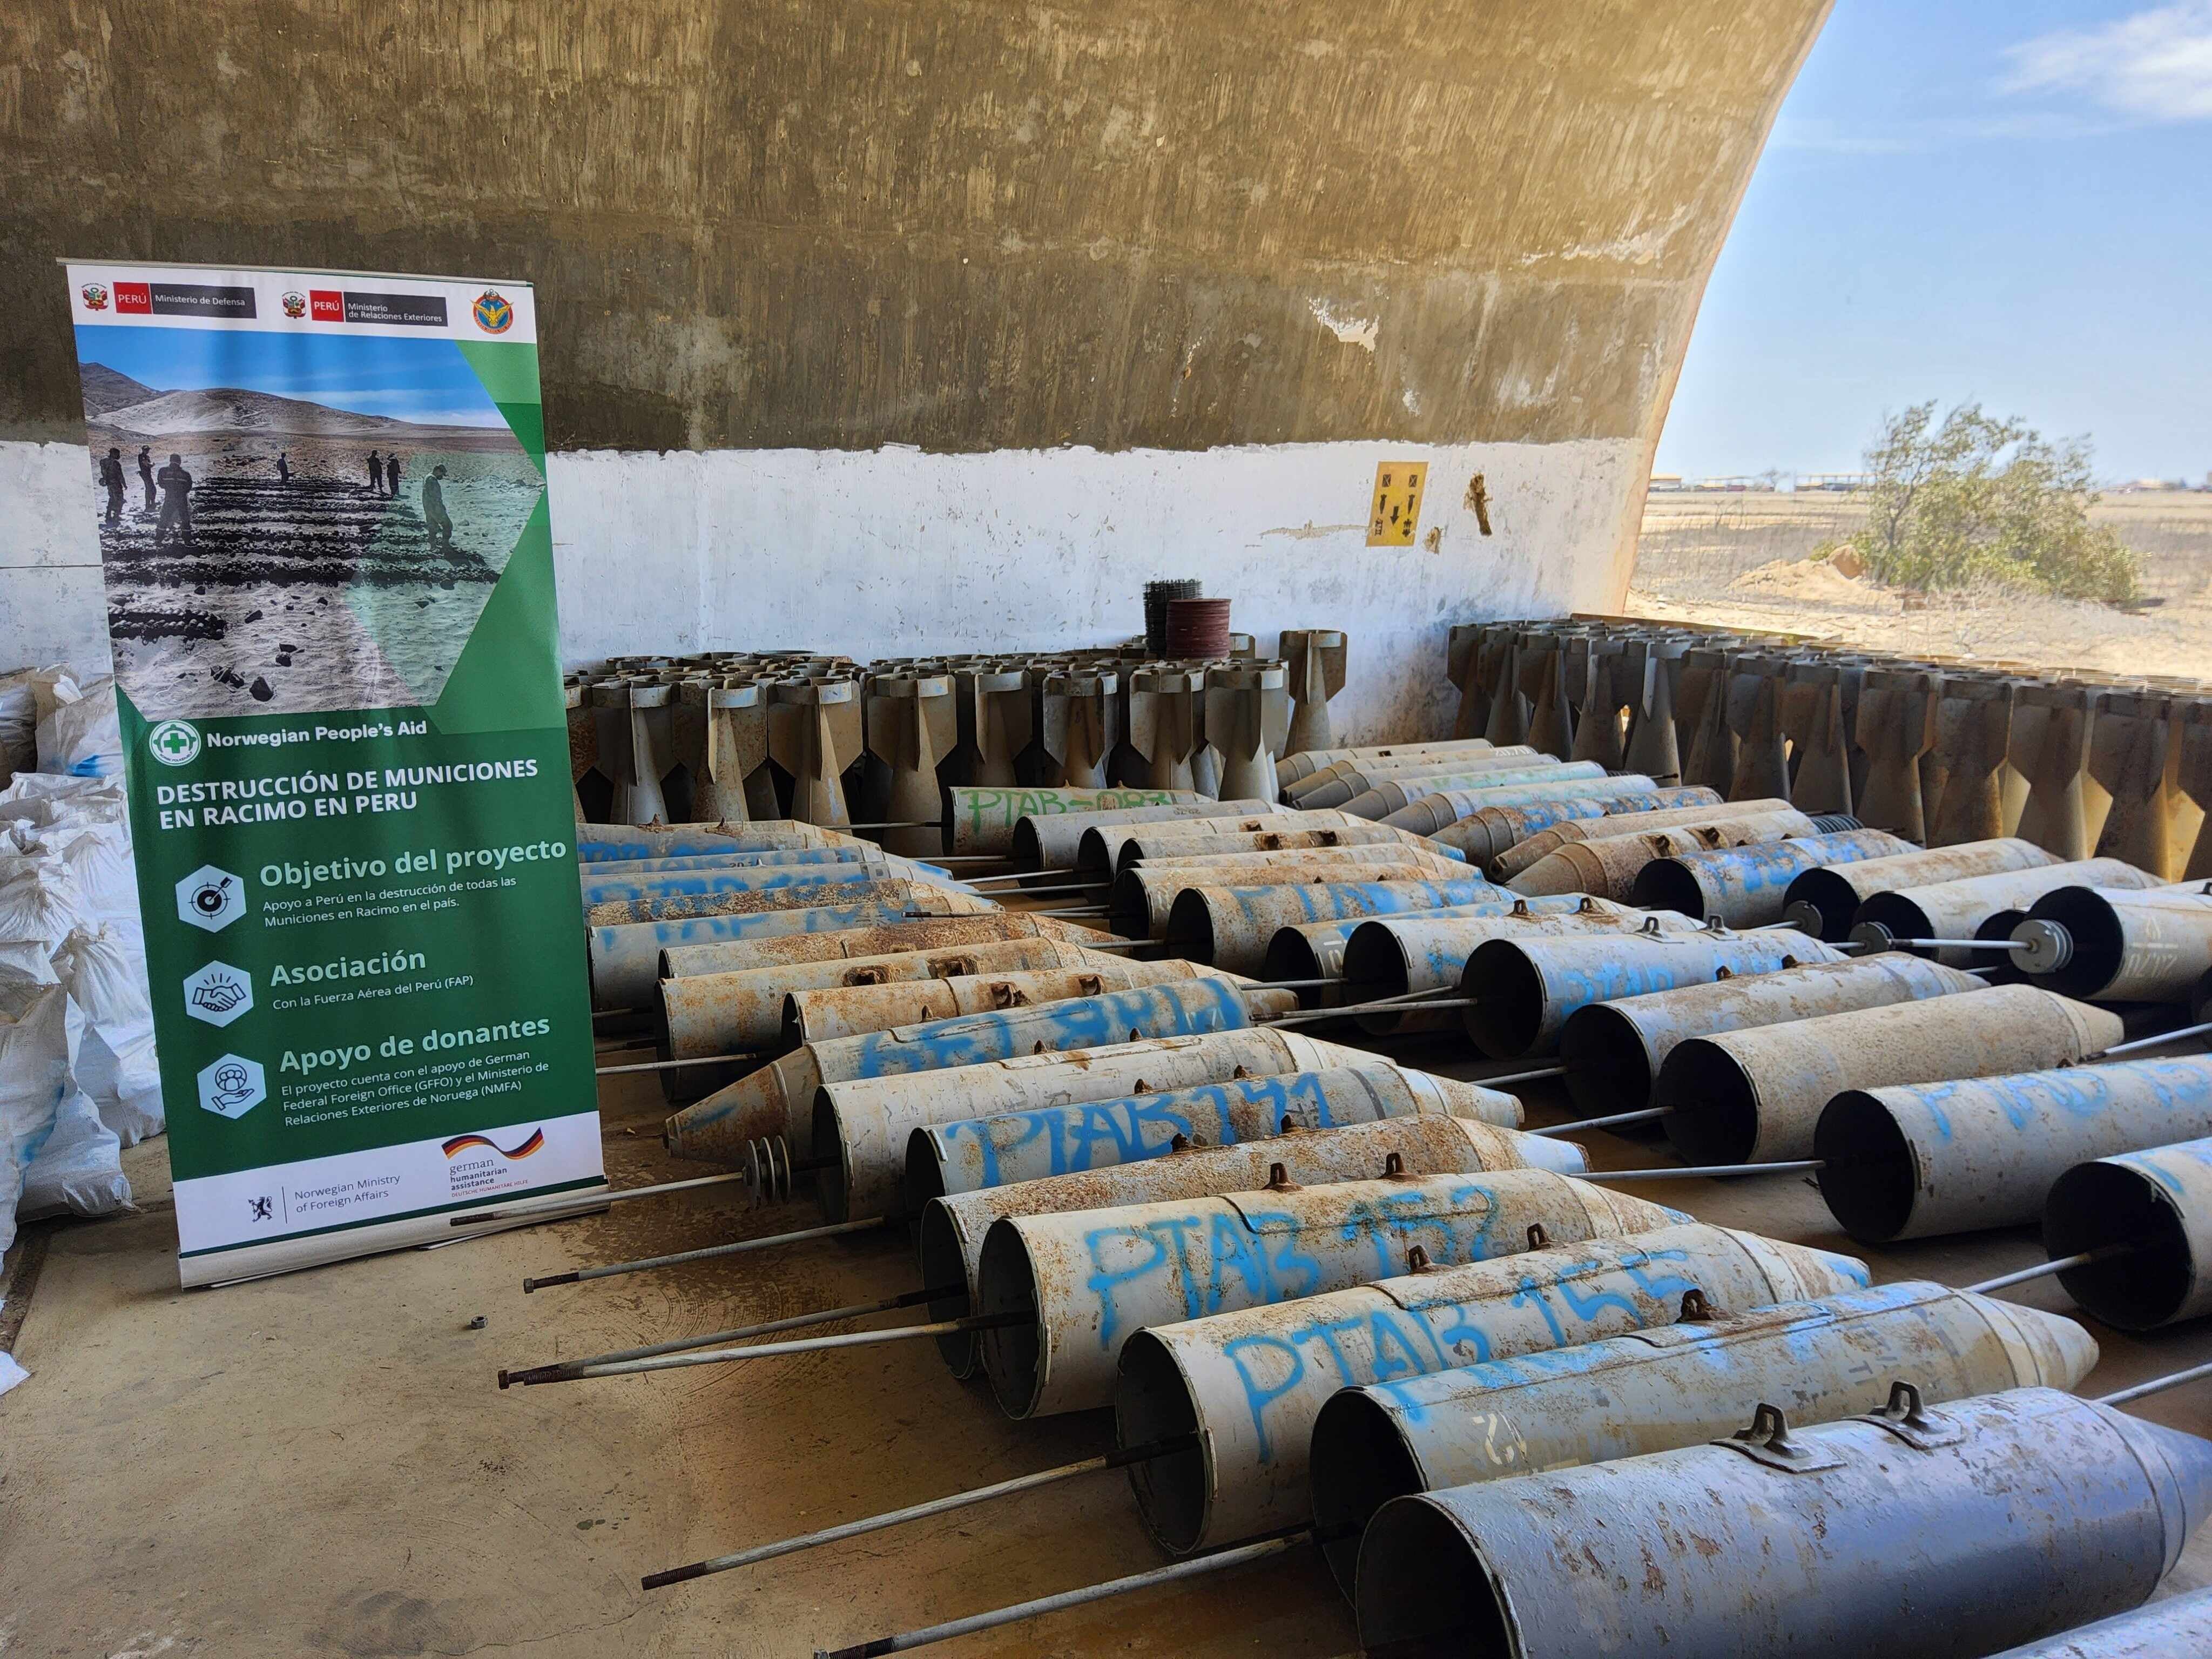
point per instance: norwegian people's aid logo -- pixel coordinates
(295, 305)
(492, 314)
(96, 296)
(174, 742)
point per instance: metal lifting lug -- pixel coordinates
(1279, 1179)
(1695, 1311)
(1538, 1238)
(1417, 1261)
(1767, 1441)
(1394, 1167)
(1907, 1417)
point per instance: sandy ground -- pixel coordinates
(310, 594)
(320, 1464)
(1743, 561)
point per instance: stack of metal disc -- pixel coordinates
(1157, 596)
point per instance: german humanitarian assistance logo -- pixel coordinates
(96, 296)
(295, 305)
(174, 742)
(494, 314)
(529, 1144)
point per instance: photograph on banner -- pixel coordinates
(328, 563)
(314, 526)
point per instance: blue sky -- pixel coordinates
(427, 381)
(2001, 200)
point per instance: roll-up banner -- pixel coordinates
(321, 504)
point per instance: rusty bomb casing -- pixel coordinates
(885, 940)
(1613, 1051)
(813, 885)
(2120, 945)
(2155, 1205)
(1450, 752)
(1143, 897)
(2173, 1625)
(714, 1013)
(1087, 1280)
(1395, 956)
(648, 888)
(1358, 774)
(1959, 909)
(624, 869)
(1450, 810)
(1826, 902)
(2011, 1516)
(1251, 1384)
(863, 1129)
(973, 1153)
(1754, 1096)
(1743, 886)
(1485, 830)
(1105, 847)
(1917, 1160)
(1315, 949)
(1304, 762)
(1515, 856)
(1820, 1358)
(625, 958)
(1231, 927)
(951, 1231)
(778, 1098)
(1521, 992)
(605, 843)
(1048, 840)
(1608, 865)
(821, 1016)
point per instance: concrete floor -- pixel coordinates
(321, 1463)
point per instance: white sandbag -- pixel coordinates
(51, 797)
(99, 860)
(104, 971)
(55, 1153)
(19, 724)
(40, 899)
(80, 729)
(11, 1373)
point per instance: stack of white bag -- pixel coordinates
(78, 1078)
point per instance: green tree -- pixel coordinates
(1975, 498)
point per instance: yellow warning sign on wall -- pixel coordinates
(1397, 503)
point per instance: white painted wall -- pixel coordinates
(895, 552)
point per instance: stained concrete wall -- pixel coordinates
(1140, 284)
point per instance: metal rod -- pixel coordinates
(669, 1362)
(1958, 945)
(916, 823)
(567, 1370)
(2041, 1270)
(2175, 1036)
(583, 1275)
(671, 1065)
(1714, 1170)
(1022, 875)
(1291, 984)
(958, 1500)
(2156, 1385)
(1643, 1116)
(563, 1201)
(1086, 910)
(1393, 1007)
(1196, 1566)
(1537, 1076)
(1066, 887)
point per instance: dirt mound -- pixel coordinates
(1815, 581)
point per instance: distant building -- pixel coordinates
(1666, 481)
(1836, 481)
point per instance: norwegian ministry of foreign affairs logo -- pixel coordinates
(174, 742)
(493, 312)
(96, 296)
